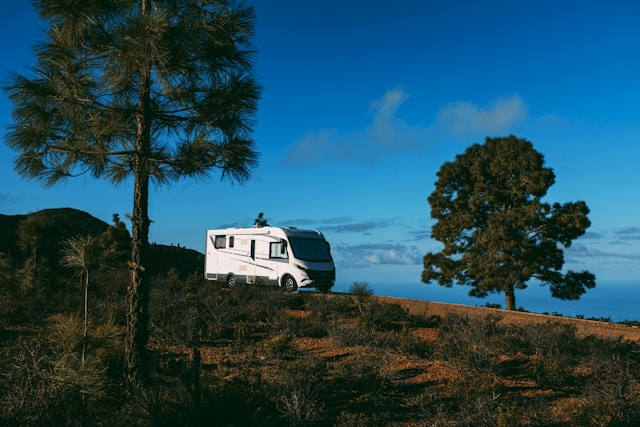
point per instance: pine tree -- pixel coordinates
(497, 232)
(156, 90)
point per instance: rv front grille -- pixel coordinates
(322, 276)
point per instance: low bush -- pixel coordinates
(552, 369)
(271, 358)
(383, 316)
(471, 342)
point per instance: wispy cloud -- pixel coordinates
(615, 236)
(463, 118)
(591, 235)
(387, 134)
(343, 224)
(358, 227)
(367, 255)
(583, 251)
(626, 235)
(5, 197)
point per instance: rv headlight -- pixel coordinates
(301, 267)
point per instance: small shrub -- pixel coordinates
(469, 340)
(492, 305)
(612, 368)
(242, 330)
(65, 333)
(308, 325)
(81, 391)
(27, 388)
(383, 316)
(426, 404)
(278, 346)
(330, 306)
(605, 412)
(361, 290)
(604, 319)
(361, 373)
(299, 406)
(473, 400)
(348, 334)
(355, 419)
(553, 369)
(538, 337)
(408, 343)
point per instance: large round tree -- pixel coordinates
(151, 90)
(497, 232)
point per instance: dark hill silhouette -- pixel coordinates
(56, 225)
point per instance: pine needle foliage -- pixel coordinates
(497, 231)
(149, 90)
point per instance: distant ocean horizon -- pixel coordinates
(618, 301)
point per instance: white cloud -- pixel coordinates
(463, 118)
(386, 127)
(366, 255)
(387, 134)
(313, 146)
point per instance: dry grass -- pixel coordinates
(352, 381)
(583, 327)
(255, 356)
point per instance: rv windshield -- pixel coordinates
(316, 250)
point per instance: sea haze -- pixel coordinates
(618, 301)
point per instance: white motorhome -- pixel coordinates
(285, 256)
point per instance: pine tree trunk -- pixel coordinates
(138, 292)
(136, 359)
(86, 315)
(510, 297)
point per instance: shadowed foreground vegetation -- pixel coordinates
(258, 356)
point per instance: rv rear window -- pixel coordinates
(221, 242)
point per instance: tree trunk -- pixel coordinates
(86, 315)
(136, 359)
(138, 292)
(510, 297)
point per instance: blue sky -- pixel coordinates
(364, 101)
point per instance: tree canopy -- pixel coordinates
(181, 67)
(157, 90)
(497, 232)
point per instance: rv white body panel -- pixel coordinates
(269, 255)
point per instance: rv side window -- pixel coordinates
(221, 242)
(231, 241)
(278, 250)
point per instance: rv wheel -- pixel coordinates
(289, 284)
(231, 280)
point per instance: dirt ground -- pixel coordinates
(583, 327)
(395, 388)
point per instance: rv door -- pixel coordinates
(251, 270)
